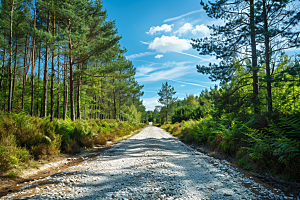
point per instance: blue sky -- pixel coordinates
(157, 36)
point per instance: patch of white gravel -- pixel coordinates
(150, 165)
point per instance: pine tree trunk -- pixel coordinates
(71, 77)
(26, 68)
(32, 77)
(33, 66)
(2, 77)
(78, 97)
(52, 90)
(267, 56)
(58, 86)
(254, 60)
(167, 114)
(15, 69)
(84, 105)
(39, 77)
(10, 58)
(52, 76)
(65, 107)
(46, 72)
(115, 105)
(57, 109)
(109, 106)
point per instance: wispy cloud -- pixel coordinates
(181, 16)
(139, 55)
(174, 70)
(195, 84)
(147, 62)
(145, 42)
(209, 60)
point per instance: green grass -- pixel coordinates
(269, 148)
(24, 139)
(13, 174)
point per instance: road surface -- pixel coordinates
(150, 165)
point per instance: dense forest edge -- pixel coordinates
(65, 84)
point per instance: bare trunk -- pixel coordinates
(78, 95)
(108, 106)
(84, 105)
(52, 76)
(26, 68)
(51, 90)
(46, 71)
(65, 90)
(39, 77)
(167, 114)
(10, 58)
(254, 60)
(32, 77)
(2, 77)
(267, 55)
(71, 77)
(115, 105)
(33, 66)
(58, 86)
(15, 69)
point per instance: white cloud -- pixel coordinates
(182, 85)
(164, 27)
(159, 56)
(139, 55)
(142, 70)
(202, 29)
(181, 16)
(170, 43)
(184, 29)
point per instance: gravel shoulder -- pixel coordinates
(149, 165)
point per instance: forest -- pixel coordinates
(61, 64)
(254, 113)
(66, 85)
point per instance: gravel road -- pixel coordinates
(150, 165)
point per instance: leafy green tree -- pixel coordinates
(191, 101)
(166, 94)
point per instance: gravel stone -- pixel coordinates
(150, 165)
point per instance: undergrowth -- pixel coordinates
(274, 147)
(23, 137)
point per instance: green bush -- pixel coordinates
(274, 146)
(23, 136)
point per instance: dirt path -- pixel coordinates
(150, 165)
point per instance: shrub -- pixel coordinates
(23, 136)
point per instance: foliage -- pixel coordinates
(186, 113)
(23, 137)
(277, 152)
(166, 97)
